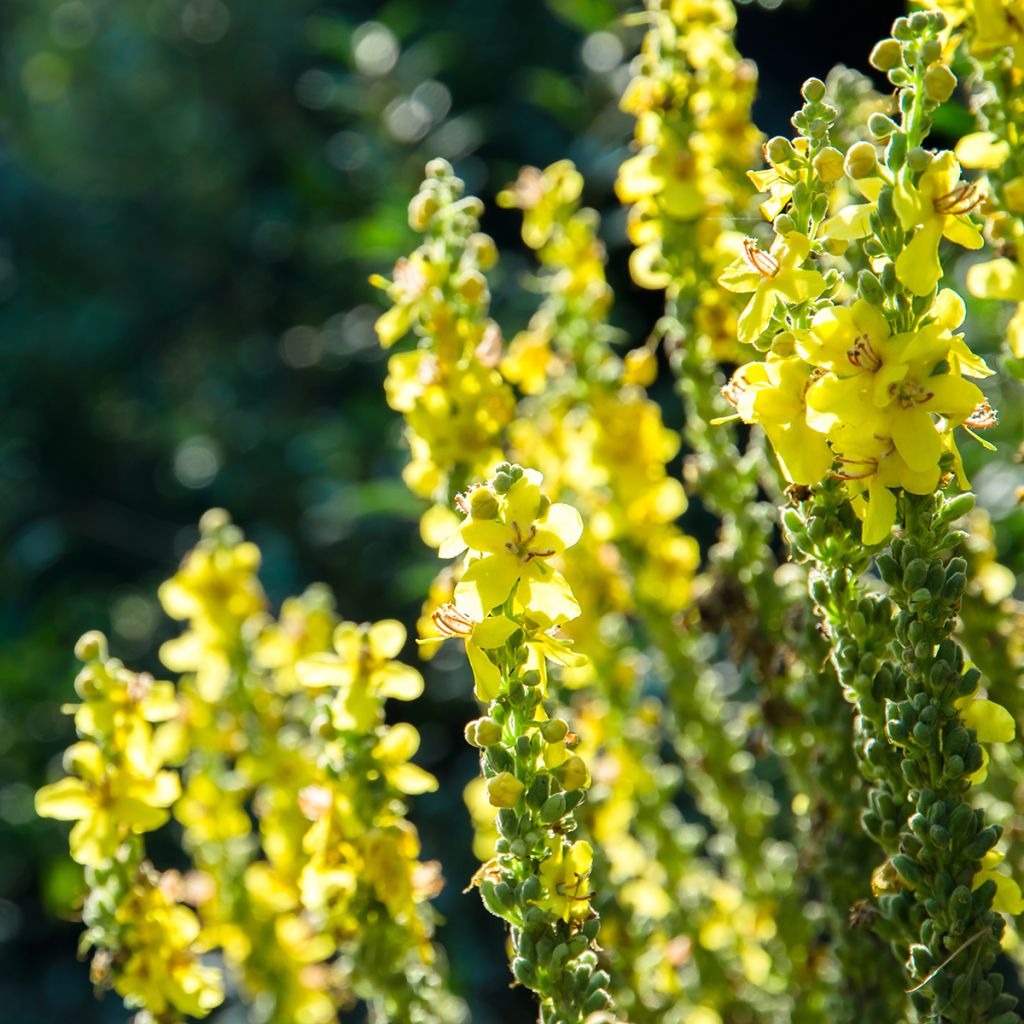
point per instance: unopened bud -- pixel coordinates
(641, 367)
(488, 732)
(91, 646)
(483, 503)
(886, 55)
(813, 90)
(939, 83)
(554, 730)
(574, 774)
(880, 126)
(504, 790)
(861, 160)
(422, 208)
(828, 164)
(778, 150)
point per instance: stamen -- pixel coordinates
(863, 355)
(983, 417)
(763, 262)
(451, 622)
(961, 199)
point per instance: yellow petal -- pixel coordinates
(991, 721)
(66, 800)
(398, 681)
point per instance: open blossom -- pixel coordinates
(511, 541)
(774, 276)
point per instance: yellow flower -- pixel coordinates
(872, 467)
(163, 969)
(363, 671)
(773, 394)
(514, 548)
(774, 276)
(393, 752)
(107, 802)
(565, 875)
(1008, 898)
(937, 206)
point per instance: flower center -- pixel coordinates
(909, 393)
(863, 355)
(451, 622)
(521, 546)
(763, 262)
(961, 199)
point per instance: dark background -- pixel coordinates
(192, 195)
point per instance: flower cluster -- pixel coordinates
(877, 384)
(507, 608)
(454, 401)
(309, 878)
(147, 943)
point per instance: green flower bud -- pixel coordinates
(886, 55)
(530, 891)
(956, 507)
(869, 288)
(931, 51)
(919, 22)
(573, 773)
(504, 790)
(439, 168)
(483, 503)
(553, 809)
(861, 160)
(523, 748)
(939, 83)
(501, 483)
(597, 1000)
(880, 126)
(778, 150)
(498, 759)
(422, 208)
(488, 732)
(901, 29)
(531, 678)
(524, 972)
(91, 646)
(554, 730)
(909, 870)
(982, 842)
(813, 90)
(784, 224)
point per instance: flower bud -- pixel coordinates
(778, 150)
(91, 646)
(784, 224)
(483, 503)
(931, 51)
(939, 83)
(861, 160)
(422, 208)
(501, 483)
(531, 678)
(813, 90)
(554, 730)
(504, 790)
(439, 168)
(880, 126)
(488, 732)
(574, 774)
(484, 249)
(828, 164)
(886, 55)
(641, 367)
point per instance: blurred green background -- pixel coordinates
(192, 195)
